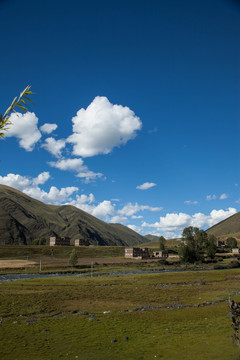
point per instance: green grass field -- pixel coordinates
(79, 317)
(35, 252)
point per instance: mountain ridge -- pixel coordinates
(23, 219)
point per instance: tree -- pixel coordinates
(20, 102)
(235, 317)
(186, 254)
(73, 260)
(195, 242)
(231, 242)
(41, 241)
(211, 246)
(162, 243)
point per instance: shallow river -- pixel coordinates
(14, 277)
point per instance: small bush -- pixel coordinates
(218, 267)
(210, 261)
(73, 258)
(162, 262)
(41, 241)
(233, 264)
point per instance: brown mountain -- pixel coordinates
(23, 219)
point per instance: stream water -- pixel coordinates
(14, 277)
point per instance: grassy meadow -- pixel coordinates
(149, 316)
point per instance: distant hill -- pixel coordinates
(150, 237)
(23, 219)
(153, 242)
(229, 226)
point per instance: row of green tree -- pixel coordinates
(196, 244)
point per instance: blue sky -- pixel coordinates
(136, 113)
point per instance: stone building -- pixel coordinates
(81, 242)
(59, 241)
(136, 253)
(221, 243)
(236, 251)
(163, 254)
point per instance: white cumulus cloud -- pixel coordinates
(30, 186)
(131, 209)
(24, 127)
(104, 209)
(48, 128)
(54, 146)
(176, 222)
(76, 165)
(41, 178)
(101, 127)
(145, 186)
(135, 228)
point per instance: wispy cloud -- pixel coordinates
(153, 130)
(190, 202)
(223, 197)
(211, 197)
(146, 186)
(76, 165)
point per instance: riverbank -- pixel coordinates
(168, 315)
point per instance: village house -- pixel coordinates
(236, 251)
(59, 241)
(81, 242)
(163, 254)
(221, 243)
(136, 253)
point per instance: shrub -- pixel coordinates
(41, 241)
(234, 264)
(73, 260)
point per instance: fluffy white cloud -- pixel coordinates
(223, 196)
(78, 166)
(190, 202)
(131, 209)
(103, 209)
(211, 197)
(118, 219)
(30, 187)
(135, 228)
(107, 210)
(41, 178)
(54, 146)
(137, 217)
(101, 127)
(24, 127)
(176, 222)
(145, 186)
(16, 181)
(48, 128)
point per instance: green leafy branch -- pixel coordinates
(20, 102)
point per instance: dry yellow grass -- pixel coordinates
(15, 264)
